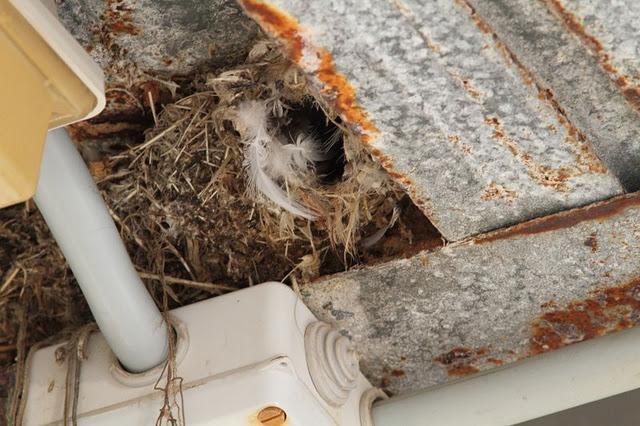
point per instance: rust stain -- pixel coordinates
(480, 23)
(574, 24)
(510, 57)
(334, 84)
(454, 355)
(555, 178)
(99, 169)
(279, 24)
(632, 95)
(586, 159)
(455, 140)
(471, 89)
(123, 28)
(592, 242)
(604, 311)
(398, 373)
(585, 156)
(461, 361)
(630, 92)
(462, 370)
(391, 375)
(595, 212)
(118, 18)
(498, 192)
(90, 129)
(501, 47)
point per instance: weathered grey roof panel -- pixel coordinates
(454, 119)
(173, 37)
(555, 55)
(490, 300)
(611, 30)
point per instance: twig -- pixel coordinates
(186, 283)
(9, 279)
(172, 86)
(159, 135)
(22, 370)
(8, 348)
(166, 415)
(153, 108)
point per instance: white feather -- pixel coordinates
(291, 161)
(253, 120)
(255, 159)
(306, 149)
(280, 164)
(336, 135)
(267, 160)
(377, 236)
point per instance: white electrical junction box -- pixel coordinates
(239, 355)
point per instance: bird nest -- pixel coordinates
(188, 201)
(199, 216)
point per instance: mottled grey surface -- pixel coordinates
(403, 313)
(616, 25)
(455, 115)
(161, 36)
(559, 61)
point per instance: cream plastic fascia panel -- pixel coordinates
(66, 47)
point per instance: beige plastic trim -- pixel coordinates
(47, 80)
(46, 24)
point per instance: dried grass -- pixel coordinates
(181, 203)
(183, 192)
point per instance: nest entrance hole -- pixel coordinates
(329, 134)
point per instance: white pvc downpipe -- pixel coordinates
(76, 214)
(545, 384)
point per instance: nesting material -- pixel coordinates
(238, 183)
(246, 179)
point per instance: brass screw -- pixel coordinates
(272, 416)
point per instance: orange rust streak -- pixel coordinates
(459, 361)
(454, 355)
(495, 361)
(462, 370)
(123, 28)
(398, 373)
(599, 211)
(337, 85)
(606, 310)
(572, 22)
(586, 157)
(279, 23)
